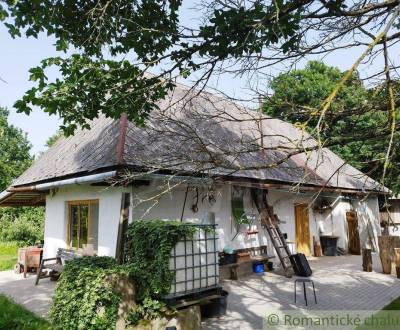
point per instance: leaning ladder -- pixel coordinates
(270, 222)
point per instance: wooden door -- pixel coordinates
(302, 229)
(353, 235)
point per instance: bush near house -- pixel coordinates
(85, 299)
(8, 255)
(19, 227)
(24, 225)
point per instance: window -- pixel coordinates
(83, 220)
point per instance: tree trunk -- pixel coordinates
(397, 260)
(367, 260)
(384, 253)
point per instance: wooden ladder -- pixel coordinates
(271, 224)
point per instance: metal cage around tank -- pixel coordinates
(195, 263)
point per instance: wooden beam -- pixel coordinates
(123, 226)
(367, 260)
(301, 188)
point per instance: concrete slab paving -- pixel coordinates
(23, 291)
(340, 285)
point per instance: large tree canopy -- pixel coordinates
(112, 47)
(14, 151)
(228, 36)
(359, 134)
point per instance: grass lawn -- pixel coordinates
(8, 255)
(393, 306)
(388, 312)
(14, 316)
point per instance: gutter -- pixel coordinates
(275, 186)
(4, 195)
(67, 182)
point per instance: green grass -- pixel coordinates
(8, 255)
(16, 317)
(393, 306)
(386, 313)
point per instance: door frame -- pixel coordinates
(304, 206)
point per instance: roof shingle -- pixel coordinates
(199, 133)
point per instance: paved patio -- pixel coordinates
(24, 292)
(340, 284)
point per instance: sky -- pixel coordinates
(17, 57)
(21, 54)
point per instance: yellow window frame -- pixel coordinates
(87, 202)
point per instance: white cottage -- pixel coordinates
(196, 161)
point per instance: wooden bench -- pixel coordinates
(56, 264)
(242, 268)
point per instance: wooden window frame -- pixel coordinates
(87, 202)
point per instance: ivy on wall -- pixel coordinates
(149, 245)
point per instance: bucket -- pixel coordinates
(216, 307)
(258, 267)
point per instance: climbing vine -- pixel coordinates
(148, 249)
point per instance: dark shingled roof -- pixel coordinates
(185, 133)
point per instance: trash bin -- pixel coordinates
(329, 245)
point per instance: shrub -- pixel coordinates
(8, 255)
(84, 299)
(149, 310)
(24, 225)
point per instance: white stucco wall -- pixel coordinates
(368, 221)
(333, 222)
(57, 216)
(152, 202)
(330, 222)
